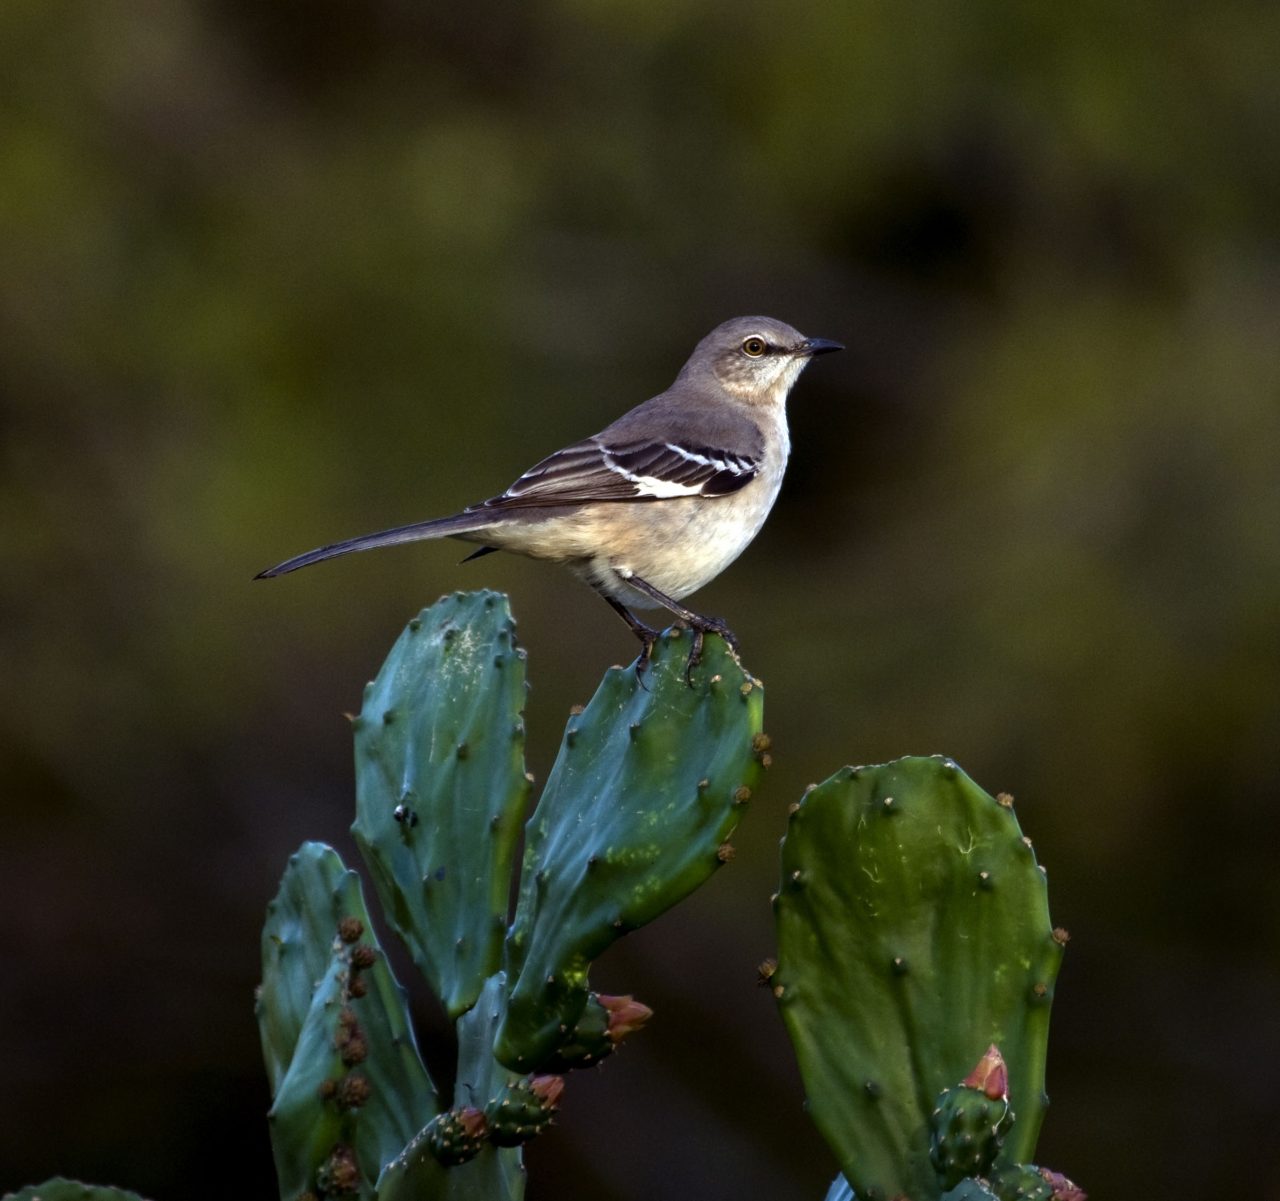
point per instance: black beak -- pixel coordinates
(812, 346)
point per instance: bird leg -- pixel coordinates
(701, 626)
(648, 637)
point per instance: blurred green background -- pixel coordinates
(272, 274)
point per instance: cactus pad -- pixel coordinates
(913, 930)
(1026, 1182)
(494, 1174)
(61, 1189)
(441, 787)
(347, 1084)
(969, 1190)
(650, 781)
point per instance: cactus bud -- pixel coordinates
(990, 1076)
(626, 1015)
(457, 1135)
(970, 1122)
(605, 1022)
(523, 1110)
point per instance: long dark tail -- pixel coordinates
(439, 527)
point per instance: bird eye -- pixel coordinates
(754, 347)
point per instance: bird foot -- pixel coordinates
(648, 639)
(701, 628)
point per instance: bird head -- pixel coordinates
(756, 359)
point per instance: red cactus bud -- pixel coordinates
(626, 1015)
(472, 1121)
(547, 1089)
(990, 1075)
(1063, 1189)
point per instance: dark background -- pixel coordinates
(273, 274)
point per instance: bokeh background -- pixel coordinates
(273, 274)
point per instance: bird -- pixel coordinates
(658, 503)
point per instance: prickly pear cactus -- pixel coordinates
(650, 782)
(1026, 1182)
(61, 1189)
(457, 1136)
(493, 1173)
(1020, 1182)
(348, 1086)
(441, 788)
(969, 1190)
(604, 1023)
(968, 1125)
(523, 1110)
(913, 930)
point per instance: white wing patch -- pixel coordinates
(591, 471)
(655, 486)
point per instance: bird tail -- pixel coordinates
(439, 527)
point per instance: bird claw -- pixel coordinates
(647, 640)
(707, 625)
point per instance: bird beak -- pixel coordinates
(812, 346)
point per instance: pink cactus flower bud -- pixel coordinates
(547, 1089)
(626, 1015)
(1063, 1189)
(990, 1075)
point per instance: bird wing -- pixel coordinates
(602, 469)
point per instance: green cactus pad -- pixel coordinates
(969, 1190)
(1027, 1182)
(913, 931)
(967, 1128)
(1020, 1182)
(495, 1174)
(340, 1054)
(650, 781)
(441, 787)
(61, 1189)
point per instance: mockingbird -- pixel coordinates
(661, 501)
